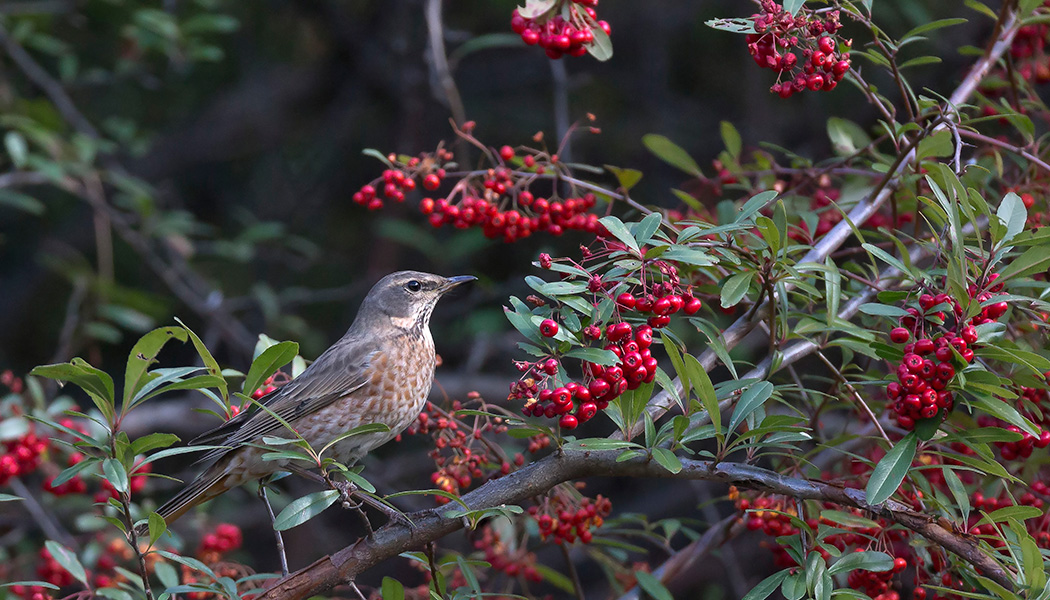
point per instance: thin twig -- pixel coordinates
(40, 516)
(439, 61)
(856, 395)
(984, 139)
(577, 587)
(48, 84)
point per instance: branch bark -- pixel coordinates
(540, 476)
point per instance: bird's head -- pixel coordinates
(406, 298)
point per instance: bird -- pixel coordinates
(380, 371)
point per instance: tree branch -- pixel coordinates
(540, 476)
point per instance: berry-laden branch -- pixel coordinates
(544, 474)
(833, 239)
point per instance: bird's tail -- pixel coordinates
(200, 490)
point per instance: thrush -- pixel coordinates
(380, 371)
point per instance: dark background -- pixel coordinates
(253, 159)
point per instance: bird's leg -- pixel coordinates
(346, 490)
(277, 534)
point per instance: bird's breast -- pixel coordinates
(397, 384)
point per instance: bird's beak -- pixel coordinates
(452, 282)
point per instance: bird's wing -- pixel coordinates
(342, 369)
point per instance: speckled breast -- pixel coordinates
(398, 383)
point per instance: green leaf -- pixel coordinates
(601, 48)
(1004, 411)
(938, 144)
(628, 178)
(962, 499)
(732, 25)
(867, 560)
(97, 384)
(767, 586)
(10, 498)
(594, 355)
(392, 589)
(755, 204)
(652, 586)
(792, 6)
(620, 232)
(143, 354)
(667, 459)
(267, 363)
(359, 430)
(209, 361)
(919, 61)
(734, 289)
(770, 233)
(20, 201)
(931, 26)
(17, 148)
(890, 471)
(115, 474)
(68, 561)
(671, 153)
(1013, 215)
(1032, 261)
(303, 509)
(643, 230)
(731, 138)
(846, 136)
(848, 519)
(882, 310)
(1019, 512)
(157, 527)
(751, 400)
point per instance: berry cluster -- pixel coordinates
(514, 562)
(21, 455)
(499, 220)
(50, 570)
(460, 453)
(428, 169)
(74, 485)
(819, 65)
(565, 518)
(920, 391)
(575, 403)
(560, 35)
(876, 584)
(1034, 404)
(226, 538)
(1029, 50)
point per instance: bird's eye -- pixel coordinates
(413, 286)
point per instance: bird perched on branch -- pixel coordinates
(379, 372)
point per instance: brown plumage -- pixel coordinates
(379, 372)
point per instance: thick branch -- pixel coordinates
(544, 474)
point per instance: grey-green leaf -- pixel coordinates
(304, 509)
(890, 471)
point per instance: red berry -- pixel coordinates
(506, 153)
(692, 305)
(625, 301)
(568, 422)
(548, 328)
(899, 335)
